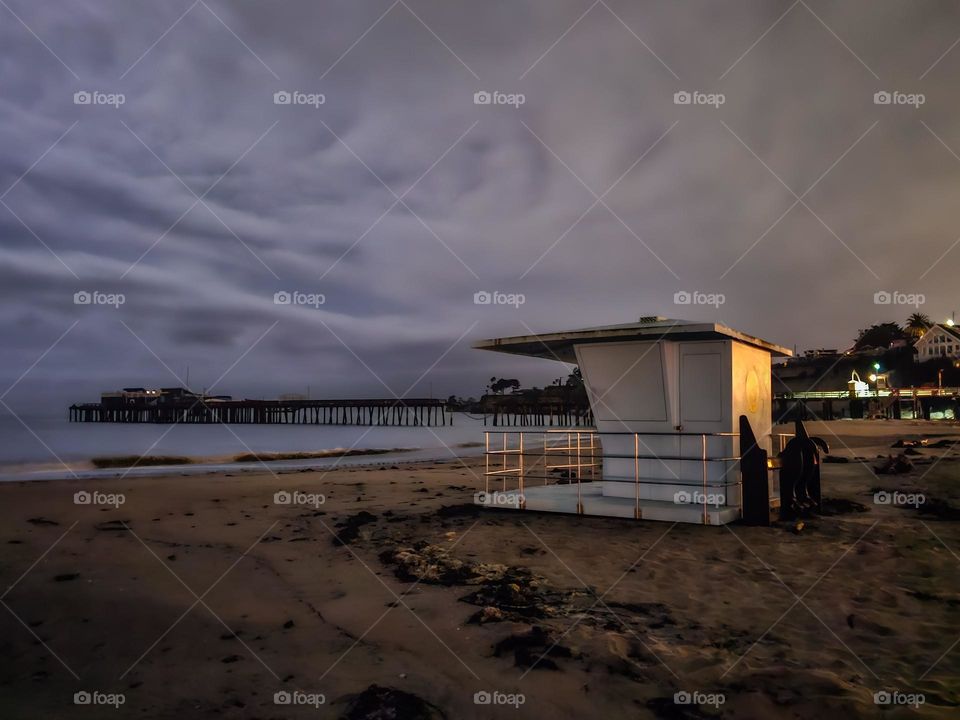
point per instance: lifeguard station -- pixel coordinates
(667, 397)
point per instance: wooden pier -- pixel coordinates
(909, 403)
(413, 412)
(539, 415)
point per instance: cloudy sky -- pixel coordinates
(783, 189)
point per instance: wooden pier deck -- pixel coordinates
(422, 412)
(907, 403)
(539, 415)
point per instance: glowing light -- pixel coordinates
(873, 378)
(949, 322)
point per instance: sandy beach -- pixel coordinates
(417, 360)
(382, 592)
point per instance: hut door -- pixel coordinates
(701, 387)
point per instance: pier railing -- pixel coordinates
(519, 459)
(405, 412)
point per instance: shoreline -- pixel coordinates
(52, 447)
(226, 464)
(858, 433)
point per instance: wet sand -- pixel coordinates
(201, 597)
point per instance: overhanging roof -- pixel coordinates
(559, 345)
(951, 330)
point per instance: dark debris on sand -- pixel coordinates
(533, 649)
(42, 521)
(666, 708)
(656, 615)
(912, 444)
(894, 465)
(940, 509)
(432, 565)
(841, 506)
(386, 703)
(113, 525)
(503, 592)
(349, 528)
(454, 511)
(519, 595)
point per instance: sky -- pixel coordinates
(160, 201)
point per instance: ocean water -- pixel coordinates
(52, 447)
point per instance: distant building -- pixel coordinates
(139, 396)
(941, 340)
(128, 396)
(176, 393)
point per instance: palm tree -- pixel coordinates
(917, 324)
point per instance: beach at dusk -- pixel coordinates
(437, 360)
(390, 577)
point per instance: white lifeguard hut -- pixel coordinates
(667, 397)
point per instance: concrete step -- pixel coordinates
(593, 501)
(674, 512)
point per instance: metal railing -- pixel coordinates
(905, 393)
(561, 454)
(564, 456)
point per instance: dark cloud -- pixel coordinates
(494, 198)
